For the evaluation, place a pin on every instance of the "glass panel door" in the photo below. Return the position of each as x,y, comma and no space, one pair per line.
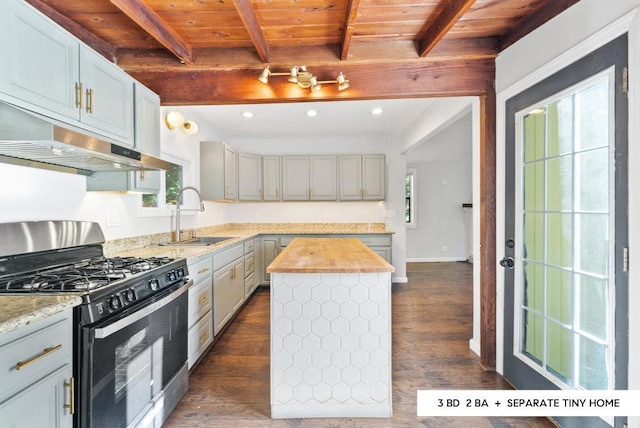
565,323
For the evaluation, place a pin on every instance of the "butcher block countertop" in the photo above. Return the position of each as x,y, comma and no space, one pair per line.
328,255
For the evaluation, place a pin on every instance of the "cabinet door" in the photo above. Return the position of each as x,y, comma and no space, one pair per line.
230,174
222,297
237,285
40,64
373,177
350,178
249,177
269,250
41,404
147,120
295,178
108,97
271,178
323,176
147,136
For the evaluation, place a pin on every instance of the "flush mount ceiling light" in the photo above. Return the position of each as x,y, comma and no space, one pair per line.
304,78
175,119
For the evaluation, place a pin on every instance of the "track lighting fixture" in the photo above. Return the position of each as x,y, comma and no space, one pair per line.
304,78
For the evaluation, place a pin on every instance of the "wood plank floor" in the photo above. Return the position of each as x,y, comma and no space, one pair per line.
432,324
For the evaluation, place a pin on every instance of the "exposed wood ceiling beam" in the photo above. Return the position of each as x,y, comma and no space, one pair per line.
531,22
104,48
149,20
442,24
312,56
347,31
189,86
250,21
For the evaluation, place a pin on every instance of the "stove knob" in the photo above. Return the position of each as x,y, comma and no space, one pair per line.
130,295
171,276
154,284
114,303
180,272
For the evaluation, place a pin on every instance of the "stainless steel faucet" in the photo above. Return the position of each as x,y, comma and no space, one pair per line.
178,210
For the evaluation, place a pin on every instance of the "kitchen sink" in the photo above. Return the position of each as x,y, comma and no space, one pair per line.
202,241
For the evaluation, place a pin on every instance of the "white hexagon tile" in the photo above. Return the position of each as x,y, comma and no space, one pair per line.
331,345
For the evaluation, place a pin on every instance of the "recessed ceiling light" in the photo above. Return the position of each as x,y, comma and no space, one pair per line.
247,114
376,111
312,113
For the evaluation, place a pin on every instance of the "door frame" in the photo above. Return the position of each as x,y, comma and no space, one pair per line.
594,33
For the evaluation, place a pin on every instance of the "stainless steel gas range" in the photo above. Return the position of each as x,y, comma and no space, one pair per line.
130,356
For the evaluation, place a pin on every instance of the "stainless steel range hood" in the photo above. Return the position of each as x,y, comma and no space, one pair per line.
31,140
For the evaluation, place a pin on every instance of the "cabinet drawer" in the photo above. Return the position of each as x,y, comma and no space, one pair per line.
248,246
200,269
377,240
225,257
200,337
249,264
200,300
249,284
31,352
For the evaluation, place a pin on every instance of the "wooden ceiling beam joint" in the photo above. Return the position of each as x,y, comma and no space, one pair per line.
250,20
442,24
349,22
149,20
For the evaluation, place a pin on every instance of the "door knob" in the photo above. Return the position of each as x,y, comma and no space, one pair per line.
507,262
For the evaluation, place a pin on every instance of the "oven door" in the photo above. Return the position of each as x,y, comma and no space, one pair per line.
128,360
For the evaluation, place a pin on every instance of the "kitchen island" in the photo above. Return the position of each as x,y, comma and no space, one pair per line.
330,330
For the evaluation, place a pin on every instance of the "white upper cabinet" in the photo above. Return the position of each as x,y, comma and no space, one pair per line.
249,177
362,177
295,178
323,177
47,70
39,62
309,178
218,171
108,95
147,120
270,178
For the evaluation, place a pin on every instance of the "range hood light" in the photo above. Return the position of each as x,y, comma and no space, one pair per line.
56,151
117,165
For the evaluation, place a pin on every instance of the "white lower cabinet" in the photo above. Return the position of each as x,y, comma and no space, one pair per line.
228,285
37,374
200,309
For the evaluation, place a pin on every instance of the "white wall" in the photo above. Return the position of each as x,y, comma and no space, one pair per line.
583,28
443,163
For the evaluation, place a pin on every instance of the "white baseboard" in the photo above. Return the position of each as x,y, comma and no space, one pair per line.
399,279
474,345
436,259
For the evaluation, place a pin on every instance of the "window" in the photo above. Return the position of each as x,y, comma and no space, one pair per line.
410,198
172,183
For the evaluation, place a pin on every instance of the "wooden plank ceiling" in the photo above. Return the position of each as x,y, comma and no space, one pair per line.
197,52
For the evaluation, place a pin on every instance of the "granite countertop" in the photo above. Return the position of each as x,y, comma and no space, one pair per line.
328,255
238,233
18,311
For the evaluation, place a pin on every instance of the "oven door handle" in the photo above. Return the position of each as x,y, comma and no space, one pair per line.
108,330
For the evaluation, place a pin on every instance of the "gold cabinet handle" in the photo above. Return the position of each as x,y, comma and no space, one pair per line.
202,270
203,299
204,337
71,406
22,364
89,107
79,94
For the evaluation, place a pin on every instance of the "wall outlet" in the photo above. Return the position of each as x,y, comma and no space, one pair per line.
444,182
445,249
258,214
113,218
